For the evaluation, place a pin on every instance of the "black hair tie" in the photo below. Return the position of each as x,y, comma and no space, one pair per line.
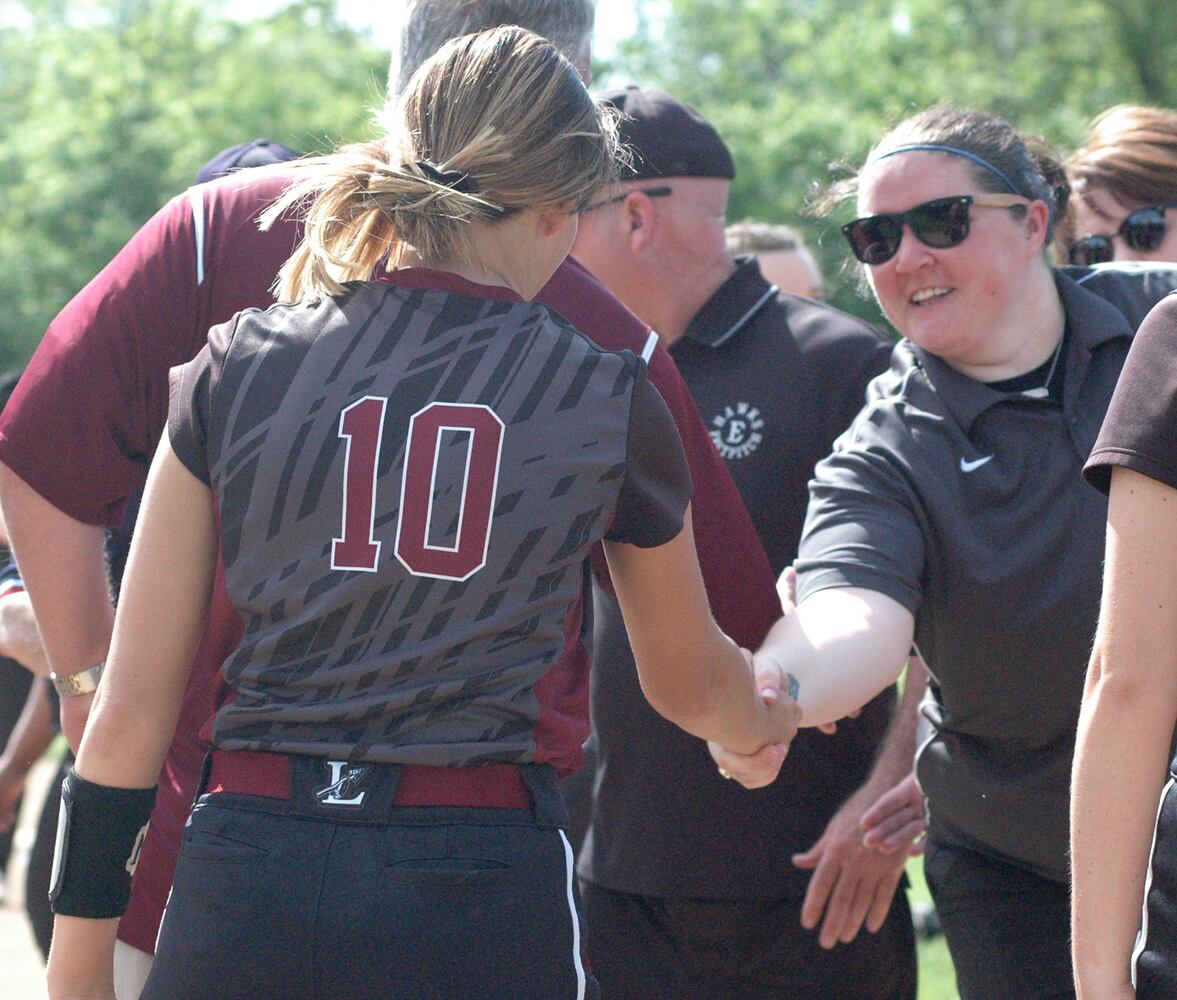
456,180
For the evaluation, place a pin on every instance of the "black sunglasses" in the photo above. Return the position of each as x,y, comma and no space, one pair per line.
1143,229
655,192
941,223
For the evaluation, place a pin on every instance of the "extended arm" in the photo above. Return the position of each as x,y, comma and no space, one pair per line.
841,647
1125,729
691,672
64,570
160,619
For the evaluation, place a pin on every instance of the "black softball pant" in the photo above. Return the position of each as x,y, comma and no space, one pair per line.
1008,929
454,903
1154,967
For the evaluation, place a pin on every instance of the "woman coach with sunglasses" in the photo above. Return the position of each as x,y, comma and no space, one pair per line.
953,513
1125,188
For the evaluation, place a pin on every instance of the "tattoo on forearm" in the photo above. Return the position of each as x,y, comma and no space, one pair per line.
794,686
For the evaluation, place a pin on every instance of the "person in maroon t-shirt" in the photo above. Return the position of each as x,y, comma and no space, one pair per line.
403,471
75,441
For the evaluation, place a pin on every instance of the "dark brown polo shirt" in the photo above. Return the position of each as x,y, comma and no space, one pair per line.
966,505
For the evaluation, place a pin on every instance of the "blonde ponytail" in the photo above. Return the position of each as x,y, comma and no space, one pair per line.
493,123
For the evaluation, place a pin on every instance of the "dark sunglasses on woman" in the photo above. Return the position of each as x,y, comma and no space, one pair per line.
941,223
1143,230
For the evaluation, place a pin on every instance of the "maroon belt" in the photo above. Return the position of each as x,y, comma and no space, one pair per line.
491,785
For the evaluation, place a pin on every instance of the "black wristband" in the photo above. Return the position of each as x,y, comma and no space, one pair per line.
99,833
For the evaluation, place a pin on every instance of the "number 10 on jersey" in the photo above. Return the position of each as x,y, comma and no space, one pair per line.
361,425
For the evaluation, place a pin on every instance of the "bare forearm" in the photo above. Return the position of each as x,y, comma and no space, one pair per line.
717,700
897,752
842,647
690,672
81,959
63,566
124,746
1120,767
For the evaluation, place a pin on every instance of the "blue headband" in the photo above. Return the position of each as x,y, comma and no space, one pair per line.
914,147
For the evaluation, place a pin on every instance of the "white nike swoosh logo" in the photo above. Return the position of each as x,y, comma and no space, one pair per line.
976,463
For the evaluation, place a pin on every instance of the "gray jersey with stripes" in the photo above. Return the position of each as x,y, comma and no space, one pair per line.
408,481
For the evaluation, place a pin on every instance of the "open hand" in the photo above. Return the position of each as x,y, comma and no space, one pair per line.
852,884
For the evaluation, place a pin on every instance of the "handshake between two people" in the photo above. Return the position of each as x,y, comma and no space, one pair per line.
830,655
885,818
760,768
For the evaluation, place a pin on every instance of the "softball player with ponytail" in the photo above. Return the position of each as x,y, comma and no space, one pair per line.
407,465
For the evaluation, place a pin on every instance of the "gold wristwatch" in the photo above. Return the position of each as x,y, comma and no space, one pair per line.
83,682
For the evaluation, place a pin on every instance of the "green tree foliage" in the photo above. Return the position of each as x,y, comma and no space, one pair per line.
108,108
795,85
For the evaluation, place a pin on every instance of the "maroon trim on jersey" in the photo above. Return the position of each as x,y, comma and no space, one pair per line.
430,280
496,786
563,696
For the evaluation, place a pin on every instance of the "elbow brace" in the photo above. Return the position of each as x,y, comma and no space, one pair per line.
99,833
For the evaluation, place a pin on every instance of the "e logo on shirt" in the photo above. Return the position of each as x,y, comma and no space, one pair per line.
736,432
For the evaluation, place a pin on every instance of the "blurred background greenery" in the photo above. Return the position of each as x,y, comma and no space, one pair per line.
107,107
937,981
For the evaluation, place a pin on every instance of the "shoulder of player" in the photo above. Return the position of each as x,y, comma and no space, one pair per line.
623,357
284,326
1132,287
